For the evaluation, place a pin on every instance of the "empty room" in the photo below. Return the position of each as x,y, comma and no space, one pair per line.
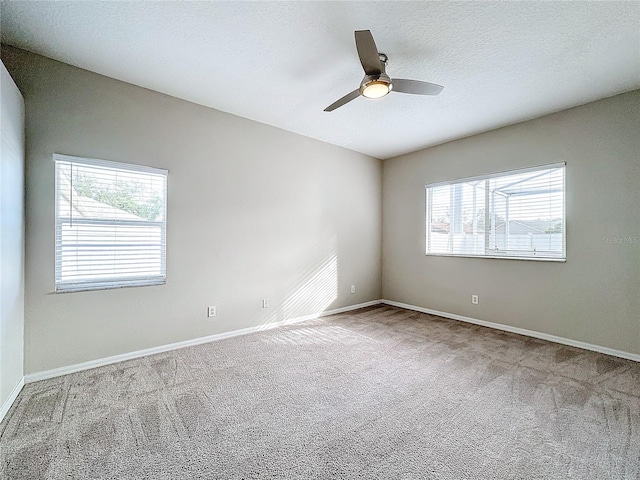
320,240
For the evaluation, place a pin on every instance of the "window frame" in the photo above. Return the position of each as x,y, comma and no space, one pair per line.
504,255
62,286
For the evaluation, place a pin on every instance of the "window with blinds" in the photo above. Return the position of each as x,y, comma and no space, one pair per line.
517,214
110,224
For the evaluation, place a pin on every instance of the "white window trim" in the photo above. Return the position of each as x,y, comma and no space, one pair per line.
560,259
62,286
109,164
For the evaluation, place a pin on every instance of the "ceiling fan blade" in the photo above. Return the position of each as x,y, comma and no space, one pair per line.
415,87
346,99
368,52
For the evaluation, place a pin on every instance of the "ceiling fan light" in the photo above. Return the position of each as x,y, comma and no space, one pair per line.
376,89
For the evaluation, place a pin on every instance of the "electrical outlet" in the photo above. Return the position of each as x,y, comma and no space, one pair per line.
265,303
353,289
474,299
211,311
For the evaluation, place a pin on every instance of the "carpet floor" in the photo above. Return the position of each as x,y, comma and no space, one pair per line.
377,393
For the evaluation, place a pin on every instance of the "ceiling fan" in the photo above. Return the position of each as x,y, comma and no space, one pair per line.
376,83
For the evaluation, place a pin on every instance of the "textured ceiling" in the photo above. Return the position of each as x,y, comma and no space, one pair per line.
283,63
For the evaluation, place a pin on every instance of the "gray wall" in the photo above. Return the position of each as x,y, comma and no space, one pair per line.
11,236
595,296
254,212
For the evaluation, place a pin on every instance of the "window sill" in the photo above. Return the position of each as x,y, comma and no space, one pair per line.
91,288
499,257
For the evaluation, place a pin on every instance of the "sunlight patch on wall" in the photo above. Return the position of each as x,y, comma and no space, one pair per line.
313,286
317,293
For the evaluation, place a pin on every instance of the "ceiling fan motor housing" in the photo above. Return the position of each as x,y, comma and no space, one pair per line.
381,79
370,81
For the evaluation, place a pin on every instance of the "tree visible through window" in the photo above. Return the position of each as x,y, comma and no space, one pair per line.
517,214
110,224
131,196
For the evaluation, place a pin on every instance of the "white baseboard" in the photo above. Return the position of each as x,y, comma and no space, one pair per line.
520,331
78,367
11,398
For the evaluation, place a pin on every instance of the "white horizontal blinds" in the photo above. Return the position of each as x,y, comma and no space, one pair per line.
527,213
110,224
457,222
512,214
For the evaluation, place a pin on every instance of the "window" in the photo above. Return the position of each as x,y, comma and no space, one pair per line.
110,224
518,214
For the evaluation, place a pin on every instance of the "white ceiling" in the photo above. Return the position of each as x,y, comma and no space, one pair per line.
283,63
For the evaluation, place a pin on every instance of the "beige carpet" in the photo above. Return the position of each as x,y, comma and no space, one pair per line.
377,393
